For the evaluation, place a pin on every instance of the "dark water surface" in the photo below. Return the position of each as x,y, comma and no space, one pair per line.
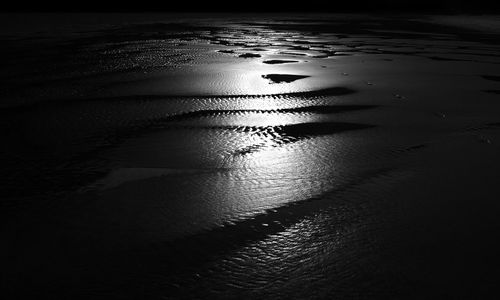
277,156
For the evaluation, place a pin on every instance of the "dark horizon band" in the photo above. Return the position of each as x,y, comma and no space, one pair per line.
424,6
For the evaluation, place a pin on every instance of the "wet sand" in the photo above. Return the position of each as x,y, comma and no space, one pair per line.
200,157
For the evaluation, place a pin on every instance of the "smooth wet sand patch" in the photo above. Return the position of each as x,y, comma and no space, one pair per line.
298,48
277,136
279,61
283,78
441,58
293,53
249,55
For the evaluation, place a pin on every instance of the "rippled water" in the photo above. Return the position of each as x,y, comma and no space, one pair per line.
152,160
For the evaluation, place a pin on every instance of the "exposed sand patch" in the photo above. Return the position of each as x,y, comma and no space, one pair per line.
249,55
283,78
279,61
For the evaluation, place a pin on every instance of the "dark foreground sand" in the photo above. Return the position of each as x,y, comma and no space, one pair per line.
284,157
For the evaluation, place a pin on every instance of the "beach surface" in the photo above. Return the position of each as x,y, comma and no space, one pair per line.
276,156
